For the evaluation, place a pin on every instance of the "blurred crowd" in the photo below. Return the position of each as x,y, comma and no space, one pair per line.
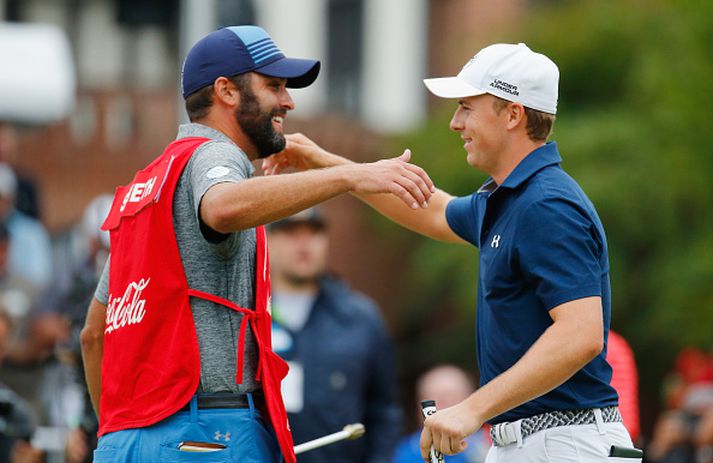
684,431
45,413
46,285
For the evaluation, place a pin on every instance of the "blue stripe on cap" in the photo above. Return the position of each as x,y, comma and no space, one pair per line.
259,43
262,47
249,34
266,54
267,57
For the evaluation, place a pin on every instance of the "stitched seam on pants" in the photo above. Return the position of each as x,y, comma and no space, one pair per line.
137,448
574,442
544,447
255,426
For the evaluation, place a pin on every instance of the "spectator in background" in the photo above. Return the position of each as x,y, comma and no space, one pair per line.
625,379
64,391
16,425
703,437
74,291
447,385
693,372
26,197
684,432
671,440
340,356
17,294
33,336
30,252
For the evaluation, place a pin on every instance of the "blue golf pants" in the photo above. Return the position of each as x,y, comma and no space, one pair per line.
246,436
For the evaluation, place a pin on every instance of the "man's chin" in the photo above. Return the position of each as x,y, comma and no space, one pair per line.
471,159
267,150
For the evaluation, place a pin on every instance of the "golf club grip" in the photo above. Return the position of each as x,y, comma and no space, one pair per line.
428,408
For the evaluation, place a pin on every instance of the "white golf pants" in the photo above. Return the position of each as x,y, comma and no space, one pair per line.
577,443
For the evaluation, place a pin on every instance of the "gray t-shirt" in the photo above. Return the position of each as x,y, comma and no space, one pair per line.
223,265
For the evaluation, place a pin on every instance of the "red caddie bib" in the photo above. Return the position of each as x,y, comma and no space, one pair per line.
151,360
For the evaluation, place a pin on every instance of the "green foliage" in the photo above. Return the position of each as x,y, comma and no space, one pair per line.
636,96
635,134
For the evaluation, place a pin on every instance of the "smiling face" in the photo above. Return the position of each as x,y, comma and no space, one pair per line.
483,129
264,103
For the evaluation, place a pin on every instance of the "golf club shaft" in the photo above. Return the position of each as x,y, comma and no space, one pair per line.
352,431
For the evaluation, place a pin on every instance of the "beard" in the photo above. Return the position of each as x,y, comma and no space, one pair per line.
257,124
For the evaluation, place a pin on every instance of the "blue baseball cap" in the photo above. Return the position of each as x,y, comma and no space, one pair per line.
235,50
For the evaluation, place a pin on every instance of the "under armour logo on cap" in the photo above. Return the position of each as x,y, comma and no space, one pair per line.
511,72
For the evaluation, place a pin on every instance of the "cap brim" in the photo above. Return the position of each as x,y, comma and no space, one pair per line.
299,73
451,87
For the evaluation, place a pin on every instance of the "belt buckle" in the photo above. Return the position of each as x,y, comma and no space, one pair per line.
504,434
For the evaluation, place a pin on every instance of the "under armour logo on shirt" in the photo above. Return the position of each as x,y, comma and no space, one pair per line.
219,436
496,242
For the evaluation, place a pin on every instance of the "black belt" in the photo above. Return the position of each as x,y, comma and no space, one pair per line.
222,400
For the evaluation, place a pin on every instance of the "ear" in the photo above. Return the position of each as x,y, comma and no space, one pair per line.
516,115
225,92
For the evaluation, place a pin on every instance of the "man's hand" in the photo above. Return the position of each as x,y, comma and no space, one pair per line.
397,176
447,429
300,153
384,185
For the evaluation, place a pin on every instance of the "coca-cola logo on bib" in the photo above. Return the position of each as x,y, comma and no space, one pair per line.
127,309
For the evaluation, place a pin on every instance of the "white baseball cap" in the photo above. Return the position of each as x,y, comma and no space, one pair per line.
512,72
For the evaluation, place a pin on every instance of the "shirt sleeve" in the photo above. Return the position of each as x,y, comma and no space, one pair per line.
215,162
102,292
560,252
462,217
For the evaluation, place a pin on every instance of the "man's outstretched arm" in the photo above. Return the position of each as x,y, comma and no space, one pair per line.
228,207
302,153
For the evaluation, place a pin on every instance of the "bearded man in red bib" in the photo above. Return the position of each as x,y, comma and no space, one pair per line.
176,344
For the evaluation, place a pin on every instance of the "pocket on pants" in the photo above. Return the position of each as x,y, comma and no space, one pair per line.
560,445
171,455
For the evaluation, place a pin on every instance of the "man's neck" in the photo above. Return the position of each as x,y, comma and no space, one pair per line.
230,128
512,157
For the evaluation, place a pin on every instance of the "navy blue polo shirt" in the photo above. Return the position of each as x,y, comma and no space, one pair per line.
541,244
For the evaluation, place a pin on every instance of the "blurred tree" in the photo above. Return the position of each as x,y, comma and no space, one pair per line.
635,105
